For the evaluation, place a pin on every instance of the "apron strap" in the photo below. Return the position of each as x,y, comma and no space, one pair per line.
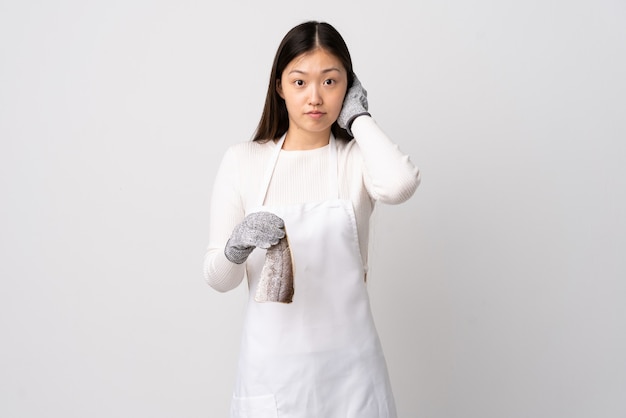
332,169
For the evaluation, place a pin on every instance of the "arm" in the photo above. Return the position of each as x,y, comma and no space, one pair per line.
232,237
226,211
389,175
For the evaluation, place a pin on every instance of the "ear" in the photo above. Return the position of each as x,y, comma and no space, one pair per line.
279,89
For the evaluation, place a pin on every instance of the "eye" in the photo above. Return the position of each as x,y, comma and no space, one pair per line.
299,83
329,82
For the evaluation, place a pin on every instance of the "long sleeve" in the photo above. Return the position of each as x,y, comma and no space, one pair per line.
389,176
226,211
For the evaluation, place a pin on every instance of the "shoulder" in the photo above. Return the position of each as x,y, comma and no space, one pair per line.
245,151
251,147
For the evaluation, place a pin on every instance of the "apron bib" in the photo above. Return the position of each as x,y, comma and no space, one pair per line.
319,356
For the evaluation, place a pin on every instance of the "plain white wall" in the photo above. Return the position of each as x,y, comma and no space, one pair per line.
499,289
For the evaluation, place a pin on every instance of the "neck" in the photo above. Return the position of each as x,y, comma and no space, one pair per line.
299,140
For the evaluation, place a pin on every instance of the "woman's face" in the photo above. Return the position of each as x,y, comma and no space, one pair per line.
313,86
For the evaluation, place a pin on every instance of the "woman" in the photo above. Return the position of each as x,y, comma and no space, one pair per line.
316,167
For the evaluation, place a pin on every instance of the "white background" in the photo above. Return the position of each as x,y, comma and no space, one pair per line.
499,289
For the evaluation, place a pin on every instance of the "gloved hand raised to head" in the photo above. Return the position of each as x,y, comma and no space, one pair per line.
354,105
258,229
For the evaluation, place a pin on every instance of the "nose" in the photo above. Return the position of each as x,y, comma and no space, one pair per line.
315,98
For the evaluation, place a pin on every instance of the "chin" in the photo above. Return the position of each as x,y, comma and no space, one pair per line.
314,128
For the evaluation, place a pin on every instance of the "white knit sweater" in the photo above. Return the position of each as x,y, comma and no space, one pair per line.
371,169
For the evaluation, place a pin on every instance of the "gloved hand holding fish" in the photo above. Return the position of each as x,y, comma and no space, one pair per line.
265,230
258,229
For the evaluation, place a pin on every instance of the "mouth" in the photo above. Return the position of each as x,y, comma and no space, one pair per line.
315,114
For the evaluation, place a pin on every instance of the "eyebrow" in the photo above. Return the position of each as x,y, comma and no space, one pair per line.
327,70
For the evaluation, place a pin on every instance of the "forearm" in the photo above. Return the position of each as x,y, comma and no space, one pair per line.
221,274
390,176
226,212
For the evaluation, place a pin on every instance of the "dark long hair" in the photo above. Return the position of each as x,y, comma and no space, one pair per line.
304,37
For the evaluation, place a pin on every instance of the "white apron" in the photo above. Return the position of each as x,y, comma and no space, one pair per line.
319,356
